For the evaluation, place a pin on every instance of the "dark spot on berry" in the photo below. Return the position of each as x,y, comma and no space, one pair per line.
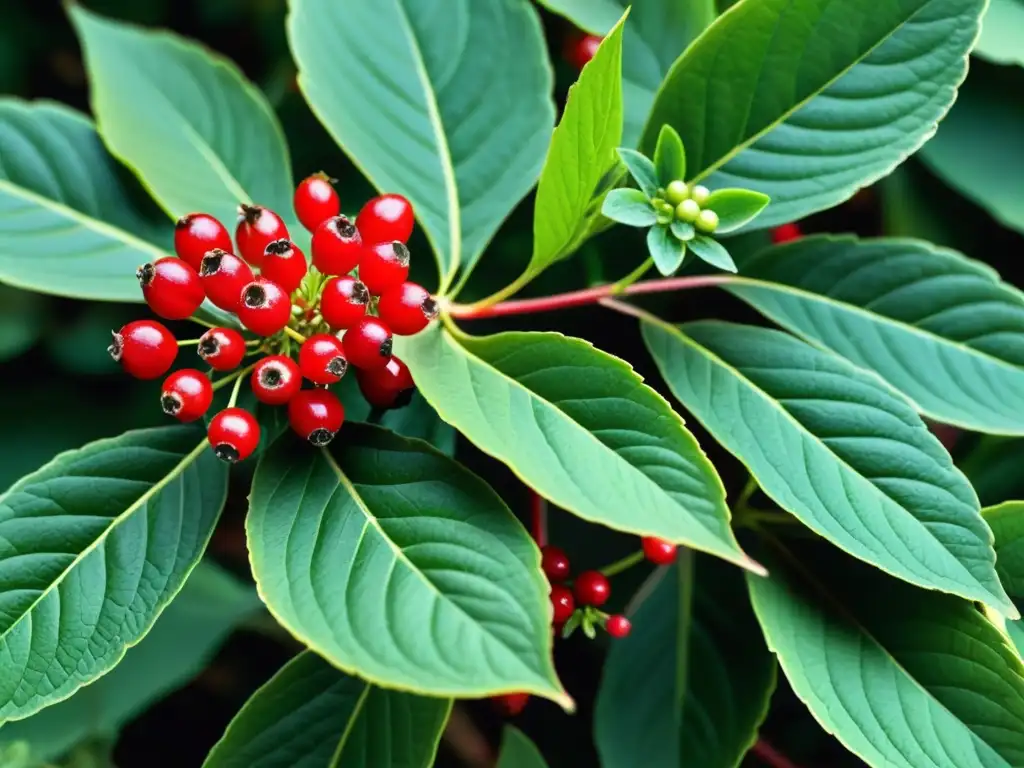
429,307
184,221
271,377
385,347
251,213
403,398
208,347
145,273
226,452
254,296
116,347
360,293
279,247
337,366
170,403
344,227
210,265
321,437
401,253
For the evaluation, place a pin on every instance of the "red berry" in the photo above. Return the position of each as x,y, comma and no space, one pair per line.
591,588
387,387
555,563
658,551
234,434
265,308
618,626
388,217
316,415
223,276
384,266
197,233
407,309
322,359
275,380
343,302
316,200
582,49
171,287
511,703
186,395
144,348
562,604
337,246
786,233
368,344
285,264
257,228
222,348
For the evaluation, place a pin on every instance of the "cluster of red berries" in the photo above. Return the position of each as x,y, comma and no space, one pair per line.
342,311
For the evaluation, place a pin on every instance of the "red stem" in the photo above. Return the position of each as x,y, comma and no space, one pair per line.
771,755
539,518
581,298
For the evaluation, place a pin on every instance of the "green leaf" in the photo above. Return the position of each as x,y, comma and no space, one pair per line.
93,546
630,207
735,207
579,427
180,644
1007,523
901,676
1001,29
834,446
311,715
517,751
669,156
684,230
421,103
393,562
62,202
690,684
197,133
711,251
667,251
641,169
808,117
940,328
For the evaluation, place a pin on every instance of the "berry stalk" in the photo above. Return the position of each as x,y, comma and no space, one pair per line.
624,564
771,756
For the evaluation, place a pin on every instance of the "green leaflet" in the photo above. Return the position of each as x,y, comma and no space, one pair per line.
1007,523
392,561
938,327
197,133
690,684
666,250
580,428
838,111
93,546
517,751
412,91
311,715
837,448
1001,31
61,201
903,677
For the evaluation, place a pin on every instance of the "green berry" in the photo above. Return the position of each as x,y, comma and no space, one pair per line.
688,211
700,194
707,221
677,192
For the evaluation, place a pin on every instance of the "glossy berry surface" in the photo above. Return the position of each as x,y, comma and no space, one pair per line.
171,288
257,228
786,233
511,704
555,563
315,201
223,276
618,626
343,302
368,344
385,218
407,309
581,50
144,348
222,348
233,434
591,588
387,387
322,359
337,246
562,604
186,395
384,266
197,233
658,551
316,415
275,380
284,264
265,308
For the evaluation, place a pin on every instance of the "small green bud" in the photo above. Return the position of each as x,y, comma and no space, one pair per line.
688,211
677,192
707,221
700,194
666,208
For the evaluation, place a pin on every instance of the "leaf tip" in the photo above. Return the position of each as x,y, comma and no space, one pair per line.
753,566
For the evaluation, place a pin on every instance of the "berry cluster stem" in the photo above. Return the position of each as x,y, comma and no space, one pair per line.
539,518
771,756
235,377
295,335
624,564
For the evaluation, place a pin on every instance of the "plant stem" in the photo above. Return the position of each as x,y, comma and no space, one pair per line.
620,285
587,296
295,334
187,342
238,387
204,323
539,518
236,377
624,564
771,756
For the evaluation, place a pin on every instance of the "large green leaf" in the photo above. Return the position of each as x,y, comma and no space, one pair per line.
180,644
580,428
657,32
517,751
198,134
310,715
395,563
1002,29
903,677
92,548
833,445
809,102
938,327
413,92
1007,523
690,684
67,225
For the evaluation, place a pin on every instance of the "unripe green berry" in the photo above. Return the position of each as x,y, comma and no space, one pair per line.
707,221
688,211
700,194
677,192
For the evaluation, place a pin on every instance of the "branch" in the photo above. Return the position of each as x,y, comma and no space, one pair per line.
771,756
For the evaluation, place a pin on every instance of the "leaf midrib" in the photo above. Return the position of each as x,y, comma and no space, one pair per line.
357,711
